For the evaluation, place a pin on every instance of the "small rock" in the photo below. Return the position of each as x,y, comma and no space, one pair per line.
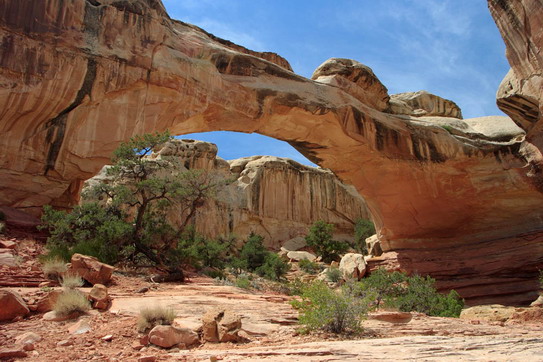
13,352
47,302
27,338
65,343
137,346
99,297
107,338
80,327
12,305
7,244
147,359
143,290
46,284
220,325
52,316
168,336
28,347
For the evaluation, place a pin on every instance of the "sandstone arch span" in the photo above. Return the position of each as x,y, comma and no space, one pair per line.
80,76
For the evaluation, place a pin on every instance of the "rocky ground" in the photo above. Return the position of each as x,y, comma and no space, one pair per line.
268,330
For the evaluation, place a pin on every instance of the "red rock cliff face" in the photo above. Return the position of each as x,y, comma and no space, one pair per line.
78,77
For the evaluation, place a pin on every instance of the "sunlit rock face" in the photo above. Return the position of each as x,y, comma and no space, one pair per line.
78,77
274,197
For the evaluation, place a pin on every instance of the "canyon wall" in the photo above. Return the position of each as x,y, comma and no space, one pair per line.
78,77
277,198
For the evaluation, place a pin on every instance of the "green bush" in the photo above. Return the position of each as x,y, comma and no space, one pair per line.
70,302
363,229
322,308
333,275
243,282
409,294
308,266
320,240
155,316
253,253
274,268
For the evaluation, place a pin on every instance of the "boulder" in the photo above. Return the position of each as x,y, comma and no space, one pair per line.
7,244
169,336
374,246
53,316
295,244
538,302
90,269
489,313
99,296
82,326
12,305
7,257
220,325
299,255
391,317
353,265
422,103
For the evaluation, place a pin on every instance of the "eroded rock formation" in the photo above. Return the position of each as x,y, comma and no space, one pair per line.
80,76
274,197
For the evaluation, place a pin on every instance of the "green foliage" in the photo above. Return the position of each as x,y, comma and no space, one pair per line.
71,281
322,308
70,302
155,316
333,275
254,257
447,128
243,282
126,215
308,266
274,268
363,229
90,229
320,240
54,268
409,294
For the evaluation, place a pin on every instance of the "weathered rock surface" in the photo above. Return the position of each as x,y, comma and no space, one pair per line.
79,77
90,269
12,305
422,103
301,255
99,296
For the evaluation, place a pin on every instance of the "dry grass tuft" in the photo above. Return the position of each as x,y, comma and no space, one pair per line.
54,268
71,301
151,317
71,281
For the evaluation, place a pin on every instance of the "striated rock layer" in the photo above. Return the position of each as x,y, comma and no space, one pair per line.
274,197
78,77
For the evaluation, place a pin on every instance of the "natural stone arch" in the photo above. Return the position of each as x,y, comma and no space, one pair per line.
82,76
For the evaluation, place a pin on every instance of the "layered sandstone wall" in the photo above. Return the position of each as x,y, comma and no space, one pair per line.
80,76
274,197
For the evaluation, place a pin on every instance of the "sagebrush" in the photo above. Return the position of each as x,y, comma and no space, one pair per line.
54,268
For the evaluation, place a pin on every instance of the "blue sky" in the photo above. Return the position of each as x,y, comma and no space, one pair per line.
451,48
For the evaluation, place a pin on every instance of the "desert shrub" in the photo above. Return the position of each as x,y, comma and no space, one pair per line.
70,302
295,287
71,281
253,253
151,317
243,282
323,308
215,273
125,216
320,239
274,268
333,275
415,293
223,281
54,268
308,266
363,229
